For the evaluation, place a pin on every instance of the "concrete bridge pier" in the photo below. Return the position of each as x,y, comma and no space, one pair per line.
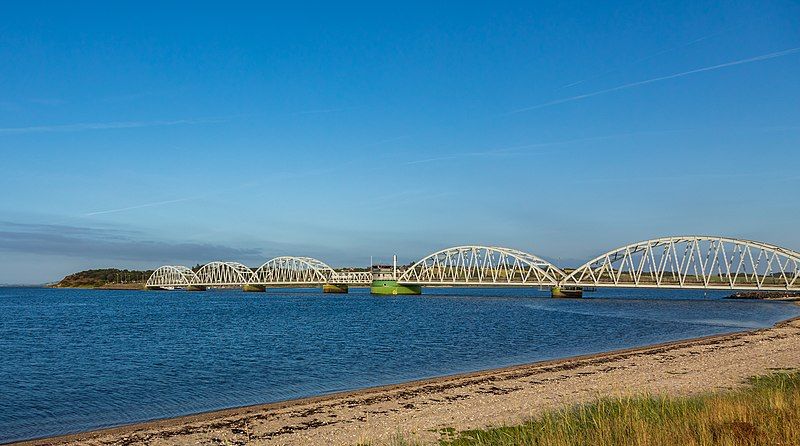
335,288
566,291
250,288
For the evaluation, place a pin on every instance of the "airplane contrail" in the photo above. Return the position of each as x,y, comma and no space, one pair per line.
660,78
140,206
642,59
105,125
512,150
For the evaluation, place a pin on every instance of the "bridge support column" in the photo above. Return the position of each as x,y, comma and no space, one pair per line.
195,288
335,288
250,288
566,291
392,288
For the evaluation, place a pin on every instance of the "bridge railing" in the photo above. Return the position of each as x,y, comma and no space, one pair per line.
351,277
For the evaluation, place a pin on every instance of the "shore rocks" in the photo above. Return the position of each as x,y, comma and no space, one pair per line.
766,295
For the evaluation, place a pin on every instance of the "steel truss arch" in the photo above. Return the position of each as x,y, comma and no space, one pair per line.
482,265
693,261
351,278
289,270
171,276
222,274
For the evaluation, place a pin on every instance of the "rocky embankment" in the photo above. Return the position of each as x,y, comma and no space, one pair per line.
767,295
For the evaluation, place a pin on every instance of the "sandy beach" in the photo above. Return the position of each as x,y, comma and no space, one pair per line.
421,409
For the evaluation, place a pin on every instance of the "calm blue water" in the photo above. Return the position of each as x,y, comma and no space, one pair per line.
74,360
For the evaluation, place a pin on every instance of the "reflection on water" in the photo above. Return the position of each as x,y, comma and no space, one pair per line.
73,360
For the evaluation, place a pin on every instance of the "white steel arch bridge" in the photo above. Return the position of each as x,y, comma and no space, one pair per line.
279,271
171,276
693,262
481,265
689,262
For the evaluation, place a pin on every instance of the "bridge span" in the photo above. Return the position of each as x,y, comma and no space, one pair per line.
284,271
680,262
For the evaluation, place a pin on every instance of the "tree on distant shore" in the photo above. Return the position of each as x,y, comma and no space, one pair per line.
104,276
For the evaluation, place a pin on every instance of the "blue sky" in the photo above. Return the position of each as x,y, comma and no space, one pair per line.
147,134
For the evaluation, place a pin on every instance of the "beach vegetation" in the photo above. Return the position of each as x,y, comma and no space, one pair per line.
766,412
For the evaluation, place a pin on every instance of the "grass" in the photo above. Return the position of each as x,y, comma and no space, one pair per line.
765,413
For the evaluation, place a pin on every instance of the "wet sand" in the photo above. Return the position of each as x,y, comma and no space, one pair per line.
502,396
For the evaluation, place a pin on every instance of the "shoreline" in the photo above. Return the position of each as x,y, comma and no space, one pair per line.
299,422
100,288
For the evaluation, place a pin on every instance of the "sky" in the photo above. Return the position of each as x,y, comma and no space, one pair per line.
146,133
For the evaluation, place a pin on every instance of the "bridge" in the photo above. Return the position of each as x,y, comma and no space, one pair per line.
281,271
680,262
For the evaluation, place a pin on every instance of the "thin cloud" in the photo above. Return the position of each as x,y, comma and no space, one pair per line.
462,155
689,176
486,154
144,94
322,111
385,141
658,79
217,192
458,156
520,149
391,201
337,167
105,243
127,97
106,126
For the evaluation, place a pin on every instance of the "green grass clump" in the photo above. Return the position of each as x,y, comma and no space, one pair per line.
765,413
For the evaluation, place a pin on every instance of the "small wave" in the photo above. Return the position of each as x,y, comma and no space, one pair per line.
726,323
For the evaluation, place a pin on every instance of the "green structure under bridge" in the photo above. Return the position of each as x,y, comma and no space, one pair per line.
689,262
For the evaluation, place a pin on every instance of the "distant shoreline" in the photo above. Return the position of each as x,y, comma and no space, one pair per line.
475,399
105,279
